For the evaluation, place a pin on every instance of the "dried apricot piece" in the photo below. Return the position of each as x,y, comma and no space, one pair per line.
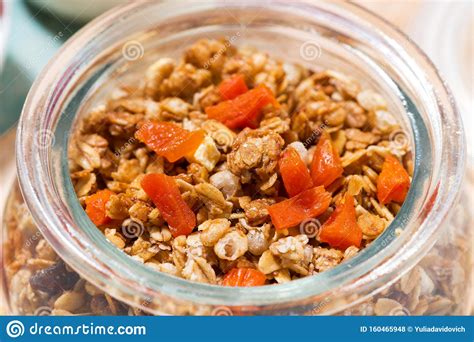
307,204
164,193
96,207
393,182
341,229
244,277
232,87
326,166
169,140
294,172
244,110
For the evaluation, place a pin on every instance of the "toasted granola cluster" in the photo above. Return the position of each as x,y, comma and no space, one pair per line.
233,177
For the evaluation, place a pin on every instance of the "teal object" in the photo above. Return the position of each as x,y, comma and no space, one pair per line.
34,35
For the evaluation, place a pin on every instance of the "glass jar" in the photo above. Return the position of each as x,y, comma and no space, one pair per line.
421,264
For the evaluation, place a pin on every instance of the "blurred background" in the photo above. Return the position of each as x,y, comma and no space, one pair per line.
32,30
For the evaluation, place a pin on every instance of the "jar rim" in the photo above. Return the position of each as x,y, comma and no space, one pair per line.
35,178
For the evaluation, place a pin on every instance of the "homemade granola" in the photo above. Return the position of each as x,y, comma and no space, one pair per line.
231,167
38,282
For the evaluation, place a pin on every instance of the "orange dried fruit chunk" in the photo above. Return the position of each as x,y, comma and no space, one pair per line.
341,229
232,87
165,194
244,277
393,182
96,207
169,140
294,172
244,110
307,204
326,166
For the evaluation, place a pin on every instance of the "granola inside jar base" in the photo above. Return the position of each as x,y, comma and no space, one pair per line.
37,282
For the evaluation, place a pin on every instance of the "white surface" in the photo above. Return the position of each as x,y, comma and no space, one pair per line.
449,44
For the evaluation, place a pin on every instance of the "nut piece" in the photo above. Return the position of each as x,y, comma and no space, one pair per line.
290,248
206,154
156,73
389,307
198,269
371,100
232,246
324,258
226,182
268,263
213,200
213,230
294,253
173,108
258,239
371,225
70,301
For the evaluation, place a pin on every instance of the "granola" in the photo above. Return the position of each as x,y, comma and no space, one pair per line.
230,183
234,175
40,283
